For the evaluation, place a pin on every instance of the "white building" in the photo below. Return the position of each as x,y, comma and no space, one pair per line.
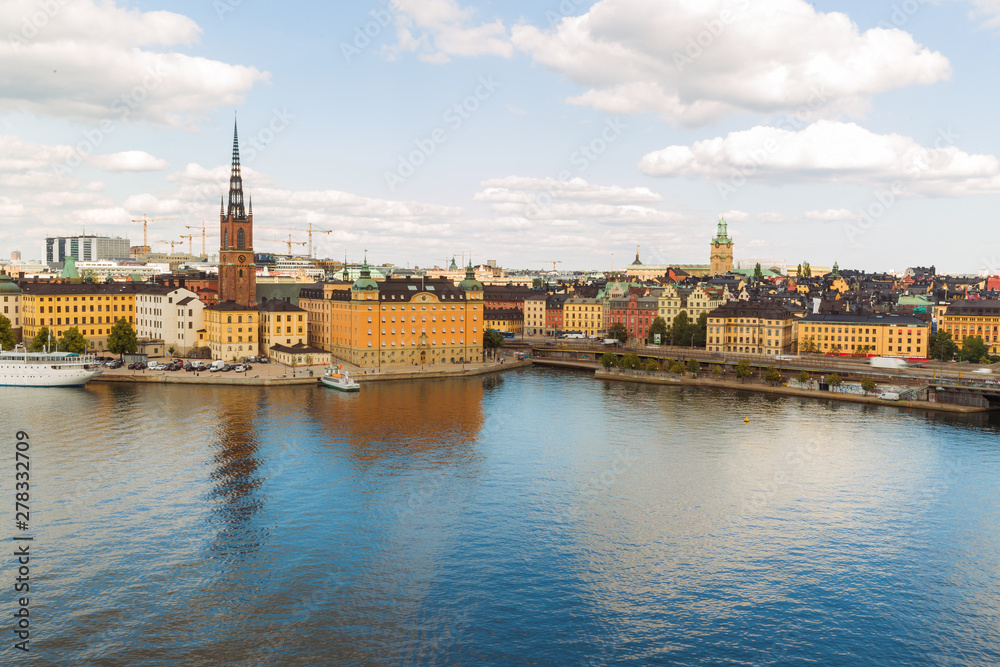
120,272
171,314
84,248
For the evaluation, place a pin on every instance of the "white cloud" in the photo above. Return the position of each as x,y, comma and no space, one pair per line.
697,62
128,161
989,9
771,216
92,61
436,30
517,111
831,215
735,216
522,189
831,152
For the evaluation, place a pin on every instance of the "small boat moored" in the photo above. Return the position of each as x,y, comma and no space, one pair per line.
337,378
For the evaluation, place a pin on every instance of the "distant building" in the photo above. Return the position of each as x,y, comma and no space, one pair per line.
762,328
84,248
721,256
15,255
92,308
168,313
868,335
10,299
534,315
973,317
584,315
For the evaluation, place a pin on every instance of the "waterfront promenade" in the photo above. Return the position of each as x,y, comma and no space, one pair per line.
272,375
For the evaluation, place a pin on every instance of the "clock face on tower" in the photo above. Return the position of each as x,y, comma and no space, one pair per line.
242,258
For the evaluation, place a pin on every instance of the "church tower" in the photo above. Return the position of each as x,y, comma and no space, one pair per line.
721,258
237,271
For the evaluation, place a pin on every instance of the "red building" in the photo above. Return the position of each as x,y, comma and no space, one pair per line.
554,312
635,312
502,297
237,271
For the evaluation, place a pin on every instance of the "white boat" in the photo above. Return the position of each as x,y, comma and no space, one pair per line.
20,368
339,379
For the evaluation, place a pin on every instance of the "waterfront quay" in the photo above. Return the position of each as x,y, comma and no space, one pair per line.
928,386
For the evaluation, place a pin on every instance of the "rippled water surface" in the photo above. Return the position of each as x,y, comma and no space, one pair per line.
541,517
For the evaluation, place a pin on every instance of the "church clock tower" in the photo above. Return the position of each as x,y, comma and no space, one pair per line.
721,258
237,271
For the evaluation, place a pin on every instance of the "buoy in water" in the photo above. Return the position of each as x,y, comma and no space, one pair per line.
746,420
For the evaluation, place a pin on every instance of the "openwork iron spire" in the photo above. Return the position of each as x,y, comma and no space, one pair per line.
236,208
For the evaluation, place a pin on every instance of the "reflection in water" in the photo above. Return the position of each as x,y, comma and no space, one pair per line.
235,496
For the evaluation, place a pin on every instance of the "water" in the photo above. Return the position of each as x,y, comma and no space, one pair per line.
541,517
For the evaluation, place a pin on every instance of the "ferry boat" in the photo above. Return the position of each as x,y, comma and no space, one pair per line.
20,368
339,379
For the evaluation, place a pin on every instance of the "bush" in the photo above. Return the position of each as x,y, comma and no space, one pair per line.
608,360
652,366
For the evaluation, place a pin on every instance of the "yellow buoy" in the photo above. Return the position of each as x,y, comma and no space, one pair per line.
746,420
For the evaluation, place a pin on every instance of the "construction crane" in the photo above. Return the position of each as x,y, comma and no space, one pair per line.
311,230
290,243
553,262
145,242
172,244
190,238
202,228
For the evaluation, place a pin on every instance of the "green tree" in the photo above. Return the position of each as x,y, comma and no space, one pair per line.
73,341
7,340
122,339
659,326
836,349
677,367
618,332
652,366
757,273
772,375
701,331
492,340
807,270
973,349
679,331
608,360
803,377
743,370
630,362
717,372
40,340
941,346
798,272
693,367
868,385
834,380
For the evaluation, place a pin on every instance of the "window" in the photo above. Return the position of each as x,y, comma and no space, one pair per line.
240,242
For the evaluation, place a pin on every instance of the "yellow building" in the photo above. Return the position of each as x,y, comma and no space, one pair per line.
402,321
583,315
315,300
973,317
534,315
509,320
704,299
10,295
281,323
870,335
751,328
92,308
231,330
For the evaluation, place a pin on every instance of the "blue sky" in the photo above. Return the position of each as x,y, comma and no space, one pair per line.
854,132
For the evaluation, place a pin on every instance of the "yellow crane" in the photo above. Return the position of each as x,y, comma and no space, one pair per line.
172,244
190,238
553,262
202,228
290,243
310,231
145,221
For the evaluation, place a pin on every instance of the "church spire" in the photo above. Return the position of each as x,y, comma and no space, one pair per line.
236,209
249,204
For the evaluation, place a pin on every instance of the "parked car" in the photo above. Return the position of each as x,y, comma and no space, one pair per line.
117,363
227,368
240,368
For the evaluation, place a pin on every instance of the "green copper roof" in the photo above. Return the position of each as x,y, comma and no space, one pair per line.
365,281
470,284
69,268
722,232
7,285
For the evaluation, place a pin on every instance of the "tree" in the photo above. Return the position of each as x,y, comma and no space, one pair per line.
679,330
73,341
836,349
743,370
941,346
693,367
40,340
701,331
807,270
652,366
630,362
122,339
7,340
757,273
973,349
834,380
868,385
803,377
492,340
659,326
798,271
772,375
717,372
618,331
171,350
808,345
677,367
609,360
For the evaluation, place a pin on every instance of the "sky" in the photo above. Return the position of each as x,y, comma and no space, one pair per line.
569,131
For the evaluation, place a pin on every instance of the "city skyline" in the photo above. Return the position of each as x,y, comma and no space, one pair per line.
422,129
